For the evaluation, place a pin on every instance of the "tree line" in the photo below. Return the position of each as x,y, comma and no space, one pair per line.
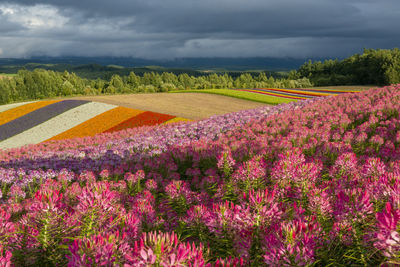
40,84
377,67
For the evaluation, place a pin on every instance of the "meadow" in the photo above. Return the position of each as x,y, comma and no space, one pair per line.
313,182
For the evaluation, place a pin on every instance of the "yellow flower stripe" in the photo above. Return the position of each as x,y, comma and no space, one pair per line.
301,92
20,111
99,123
177,119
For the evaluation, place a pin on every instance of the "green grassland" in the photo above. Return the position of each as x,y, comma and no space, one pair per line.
266,99
7,75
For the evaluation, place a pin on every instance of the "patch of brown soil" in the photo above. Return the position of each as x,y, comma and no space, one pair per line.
186,105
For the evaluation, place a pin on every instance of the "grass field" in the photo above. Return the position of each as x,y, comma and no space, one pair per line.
241,95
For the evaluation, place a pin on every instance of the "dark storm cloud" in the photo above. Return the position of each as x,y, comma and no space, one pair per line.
175,28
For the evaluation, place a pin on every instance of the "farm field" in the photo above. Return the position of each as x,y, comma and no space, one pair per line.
245,95
190,105
276,95
310,182
39,121
345,87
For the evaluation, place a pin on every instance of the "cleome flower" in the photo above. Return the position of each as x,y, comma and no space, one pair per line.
387,235
164,249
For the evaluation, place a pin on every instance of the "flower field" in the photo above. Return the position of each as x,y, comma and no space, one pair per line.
272,95
36,122
312,182
295,94
241,94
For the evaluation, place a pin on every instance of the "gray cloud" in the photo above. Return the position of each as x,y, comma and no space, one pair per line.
190,28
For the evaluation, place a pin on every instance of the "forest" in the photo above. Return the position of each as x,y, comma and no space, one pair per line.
373,67
40,84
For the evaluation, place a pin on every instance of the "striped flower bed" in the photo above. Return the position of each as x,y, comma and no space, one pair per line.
36,122
295,93
145,118
18,111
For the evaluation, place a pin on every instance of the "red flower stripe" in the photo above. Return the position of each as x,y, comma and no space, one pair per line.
99,123
271,94
146,118
298,92
333,91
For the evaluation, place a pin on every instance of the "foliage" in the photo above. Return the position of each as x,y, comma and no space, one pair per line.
372,67
40,83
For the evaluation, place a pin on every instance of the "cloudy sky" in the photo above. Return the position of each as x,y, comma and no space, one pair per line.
197,28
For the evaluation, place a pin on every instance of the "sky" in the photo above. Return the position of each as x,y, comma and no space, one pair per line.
166,29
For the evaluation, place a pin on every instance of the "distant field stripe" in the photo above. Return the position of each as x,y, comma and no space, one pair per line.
298,92
36,117
99,124
58,124
177,119
338,91
10,106
145,118
22,110
272,94
283,93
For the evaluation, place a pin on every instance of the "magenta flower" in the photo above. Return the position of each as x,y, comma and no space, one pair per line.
292,244
373,167
151,184
105,173
387,235
164,249
229,262
5,257
225,162
98,250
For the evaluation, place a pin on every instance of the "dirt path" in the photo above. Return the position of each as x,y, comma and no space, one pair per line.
186,105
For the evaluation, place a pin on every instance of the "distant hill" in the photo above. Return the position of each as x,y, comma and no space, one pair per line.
105,67
260,63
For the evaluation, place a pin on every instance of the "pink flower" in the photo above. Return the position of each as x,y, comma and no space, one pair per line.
164,249
291,244
225,162
87,176
5,257
373,167
98,250
250,173
387,236
105,173
151,184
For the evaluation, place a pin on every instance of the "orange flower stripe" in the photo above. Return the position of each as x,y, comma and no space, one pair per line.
177,119
99,123
300,92
20,111
145,118
294,91
333,91
272,94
